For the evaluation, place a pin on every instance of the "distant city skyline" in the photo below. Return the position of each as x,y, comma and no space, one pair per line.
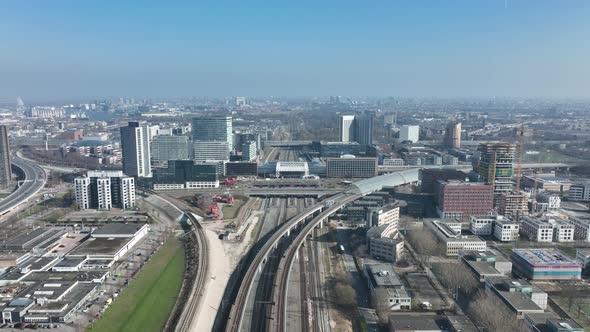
71,49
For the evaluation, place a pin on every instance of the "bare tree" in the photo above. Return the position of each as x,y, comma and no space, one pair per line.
490,313
455,276
425,244
381,303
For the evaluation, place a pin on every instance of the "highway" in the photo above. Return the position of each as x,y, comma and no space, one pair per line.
35,179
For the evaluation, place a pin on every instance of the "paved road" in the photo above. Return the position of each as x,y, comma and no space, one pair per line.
35,179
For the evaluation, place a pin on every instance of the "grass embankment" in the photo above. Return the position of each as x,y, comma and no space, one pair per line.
146,303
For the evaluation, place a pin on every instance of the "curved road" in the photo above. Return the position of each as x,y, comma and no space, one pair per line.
35,179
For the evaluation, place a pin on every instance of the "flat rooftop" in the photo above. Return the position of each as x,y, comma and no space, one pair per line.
544,257
70,262
519,301
118,229
99,246
483,268
408,322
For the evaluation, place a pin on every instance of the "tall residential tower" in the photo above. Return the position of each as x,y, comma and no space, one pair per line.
135,145
345,128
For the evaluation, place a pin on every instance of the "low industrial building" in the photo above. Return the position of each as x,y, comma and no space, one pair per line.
386,288
422,322
485,264
452,239
545,264
550,322
547,182
111,241
521,297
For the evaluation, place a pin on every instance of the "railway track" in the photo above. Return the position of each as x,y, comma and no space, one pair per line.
191,307
194,301
280,291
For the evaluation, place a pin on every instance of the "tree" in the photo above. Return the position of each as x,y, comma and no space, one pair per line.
425,244
381,303
456,275
489,312
344,295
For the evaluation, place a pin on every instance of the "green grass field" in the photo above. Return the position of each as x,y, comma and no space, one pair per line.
146,303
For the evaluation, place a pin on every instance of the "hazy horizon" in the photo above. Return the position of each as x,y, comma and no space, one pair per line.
459,49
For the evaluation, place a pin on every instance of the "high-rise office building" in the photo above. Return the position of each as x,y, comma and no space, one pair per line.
453,135
135,146
459,199
346,128
495,166
210,151
213,128
363,128
5,166
249,151
409,133
104,190
165,148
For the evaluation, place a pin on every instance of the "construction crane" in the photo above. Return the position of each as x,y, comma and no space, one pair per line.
520,157
535,184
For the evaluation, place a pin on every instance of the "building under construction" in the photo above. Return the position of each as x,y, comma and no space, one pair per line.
495,166
513,204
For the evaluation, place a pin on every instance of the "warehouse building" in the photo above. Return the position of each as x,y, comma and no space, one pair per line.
485,264
521,297
545,264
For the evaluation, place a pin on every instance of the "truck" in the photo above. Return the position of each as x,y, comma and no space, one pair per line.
341,249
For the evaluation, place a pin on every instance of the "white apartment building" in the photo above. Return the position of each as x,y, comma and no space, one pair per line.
481,225
581,228
562,231
536,229
506,230
104,190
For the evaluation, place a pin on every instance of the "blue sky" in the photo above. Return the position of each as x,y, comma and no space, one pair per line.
60,49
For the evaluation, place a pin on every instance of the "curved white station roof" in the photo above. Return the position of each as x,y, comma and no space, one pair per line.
370,185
